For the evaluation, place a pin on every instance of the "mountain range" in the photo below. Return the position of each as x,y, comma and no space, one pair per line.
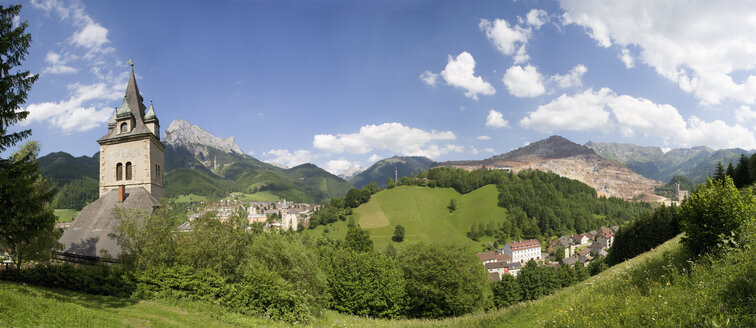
694,163
200,163
568,159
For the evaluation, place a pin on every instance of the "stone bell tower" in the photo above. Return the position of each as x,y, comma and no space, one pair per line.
131,153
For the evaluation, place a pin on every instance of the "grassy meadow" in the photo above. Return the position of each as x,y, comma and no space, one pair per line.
424,215
65,215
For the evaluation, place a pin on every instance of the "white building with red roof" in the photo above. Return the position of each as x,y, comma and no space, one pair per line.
523,251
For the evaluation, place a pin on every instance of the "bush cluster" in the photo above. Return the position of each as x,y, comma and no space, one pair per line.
98,279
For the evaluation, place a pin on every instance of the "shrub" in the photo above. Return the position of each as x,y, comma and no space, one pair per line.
294,260
98,279
443,280
714,215
363,283
261,292
506,292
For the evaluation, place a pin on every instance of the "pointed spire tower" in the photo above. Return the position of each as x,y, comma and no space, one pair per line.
131,176
132,146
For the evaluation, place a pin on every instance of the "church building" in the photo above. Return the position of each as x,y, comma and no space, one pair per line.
131,175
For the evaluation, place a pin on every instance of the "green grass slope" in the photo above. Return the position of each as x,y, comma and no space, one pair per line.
424,215
650,290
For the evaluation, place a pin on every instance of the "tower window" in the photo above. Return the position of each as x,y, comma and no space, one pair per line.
119,172
124,127
128,171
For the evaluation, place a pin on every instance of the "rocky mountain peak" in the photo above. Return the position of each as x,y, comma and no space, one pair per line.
550,148
183,133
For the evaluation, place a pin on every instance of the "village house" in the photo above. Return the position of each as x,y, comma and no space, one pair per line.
498,267
523,251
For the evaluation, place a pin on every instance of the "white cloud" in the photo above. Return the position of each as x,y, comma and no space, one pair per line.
524,82
484,137
474,150
489,150
429,78
460,73
744,114
288,158
74,114
602,110
57,64
92,36
537,17
392,137
374,158
342,166
496,120
627,58
88,105
573,113
509,40
698,45
572,79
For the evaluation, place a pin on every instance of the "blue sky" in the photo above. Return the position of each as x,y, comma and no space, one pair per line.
343,83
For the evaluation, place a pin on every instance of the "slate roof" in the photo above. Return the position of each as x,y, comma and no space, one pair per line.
90,231
496,265
524,244
133,102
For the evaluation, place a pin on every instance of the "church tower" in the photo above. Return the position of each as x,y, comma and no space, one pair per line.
131,176
131,153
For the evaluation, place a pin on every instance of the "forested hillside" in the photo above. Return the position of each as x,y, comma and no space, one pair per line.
490,206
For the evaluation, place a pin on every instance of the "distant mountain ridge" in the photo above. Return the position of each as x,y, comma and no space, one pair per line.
200,163
695,163
568,159
384,169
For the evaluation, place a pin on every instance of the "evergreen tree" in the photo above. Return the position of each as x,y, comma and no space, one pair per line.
14,85
730,172
742,176
25,213
719,174
398,234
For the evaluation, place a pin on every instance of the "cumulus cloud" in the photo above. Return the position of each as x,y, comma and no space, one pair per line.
524,82
496,120
528,82
374,158
474,150
74,114
573,113
508,39
627,58
603,109
57,64
429,78
572,79
392,137
484,138
87,104
698,45
489,150
536,18
460,73
343,167
287,158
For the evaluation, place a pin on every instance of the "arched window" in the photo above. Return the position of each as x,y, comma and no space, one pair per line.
124,127
119,172
128,171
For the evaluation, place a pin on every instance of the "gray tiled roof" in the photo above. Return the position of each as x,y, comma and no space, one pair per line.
134,101
90,231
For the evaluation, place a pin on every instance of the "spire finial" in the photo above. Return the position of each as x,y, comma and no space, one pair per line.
130,62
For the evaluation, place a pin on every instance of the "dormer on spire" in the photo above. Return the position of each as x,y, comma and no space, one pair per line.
151,121
124,111
112,122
